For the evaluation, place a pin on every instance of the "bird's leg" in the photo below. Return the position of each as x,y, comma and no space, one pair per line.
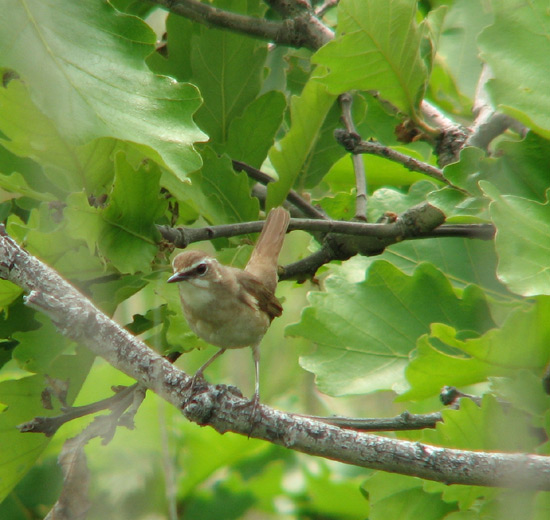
199,372
256,414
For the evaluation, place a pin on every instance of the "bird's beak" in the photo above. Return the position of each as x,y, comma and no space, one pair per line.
177,277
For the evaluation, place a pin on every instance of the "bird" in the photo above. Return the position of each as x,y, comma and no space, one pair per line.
230,307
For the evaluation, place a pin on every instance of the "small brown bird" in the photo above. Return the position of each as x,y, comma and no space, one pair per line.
229,307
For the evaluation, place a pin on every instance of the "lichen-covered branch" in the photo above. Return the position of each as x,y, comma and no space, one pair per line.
224,409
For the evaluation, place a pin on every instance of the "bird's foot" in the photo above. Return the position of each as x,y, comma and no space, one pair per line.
255,413
196,381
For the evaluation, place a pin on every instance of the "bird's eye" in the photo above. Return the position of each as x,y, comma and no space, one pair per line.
201,269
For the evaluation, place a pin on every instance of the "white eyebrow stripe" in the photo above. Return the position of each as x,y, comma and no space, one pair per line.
193,266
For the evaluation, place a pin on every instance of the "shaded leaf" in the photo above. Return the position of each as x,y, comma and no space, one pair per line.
251,135
307,113
227,67
219,193
124,231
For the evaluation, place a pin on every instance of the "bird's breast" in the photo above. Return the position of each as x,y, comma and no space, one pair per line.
222,319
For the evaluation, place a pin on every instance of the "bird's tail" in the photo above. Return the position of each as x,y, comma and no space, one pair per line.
264,259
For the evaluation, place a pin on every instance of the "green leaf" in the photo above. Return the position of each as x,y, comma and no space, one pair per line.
465,172
9,292
522,242
464,261
45,234
130,238
377,47
406,504
219,193
23,400
326,150
365,331
107,295
124,231
22,397
516,48
444,358
521,168
524,391
458,42
32,134
489,427
251,135
227,67
177,59
109,92
39,348
16,183
308,113
432,368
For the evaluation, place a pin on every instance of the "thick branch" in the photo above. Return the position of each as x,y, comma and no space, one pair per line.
184,236
302,31
223,409
341,240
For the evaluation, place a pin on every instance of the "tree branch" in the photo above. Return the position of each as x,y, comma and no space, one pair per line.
488,123
184,236
340,239
403,422
358,164
293,197
322,9
302,31
225,410
354,144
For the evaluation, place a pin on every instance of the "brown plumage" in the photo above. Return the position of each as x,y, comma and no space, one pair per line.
229,307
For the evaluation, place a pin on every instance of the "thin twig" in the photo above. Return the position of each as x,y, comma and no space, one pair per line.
322,9
354,144
303,205
346,101
342,240
49,425
437,117
403,422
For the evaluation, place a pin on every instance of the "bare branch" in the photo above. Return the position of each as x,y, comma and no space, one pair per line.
302,31
342,240
354,144
183,236
403,422
322,9
488,123
50,425
293,197
346,101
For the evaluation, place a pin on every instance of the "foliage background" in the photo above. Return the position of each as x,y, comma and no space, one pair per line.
102,138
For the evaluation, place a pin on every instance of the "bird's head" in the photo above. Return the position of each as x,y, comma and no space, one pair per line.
196,267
